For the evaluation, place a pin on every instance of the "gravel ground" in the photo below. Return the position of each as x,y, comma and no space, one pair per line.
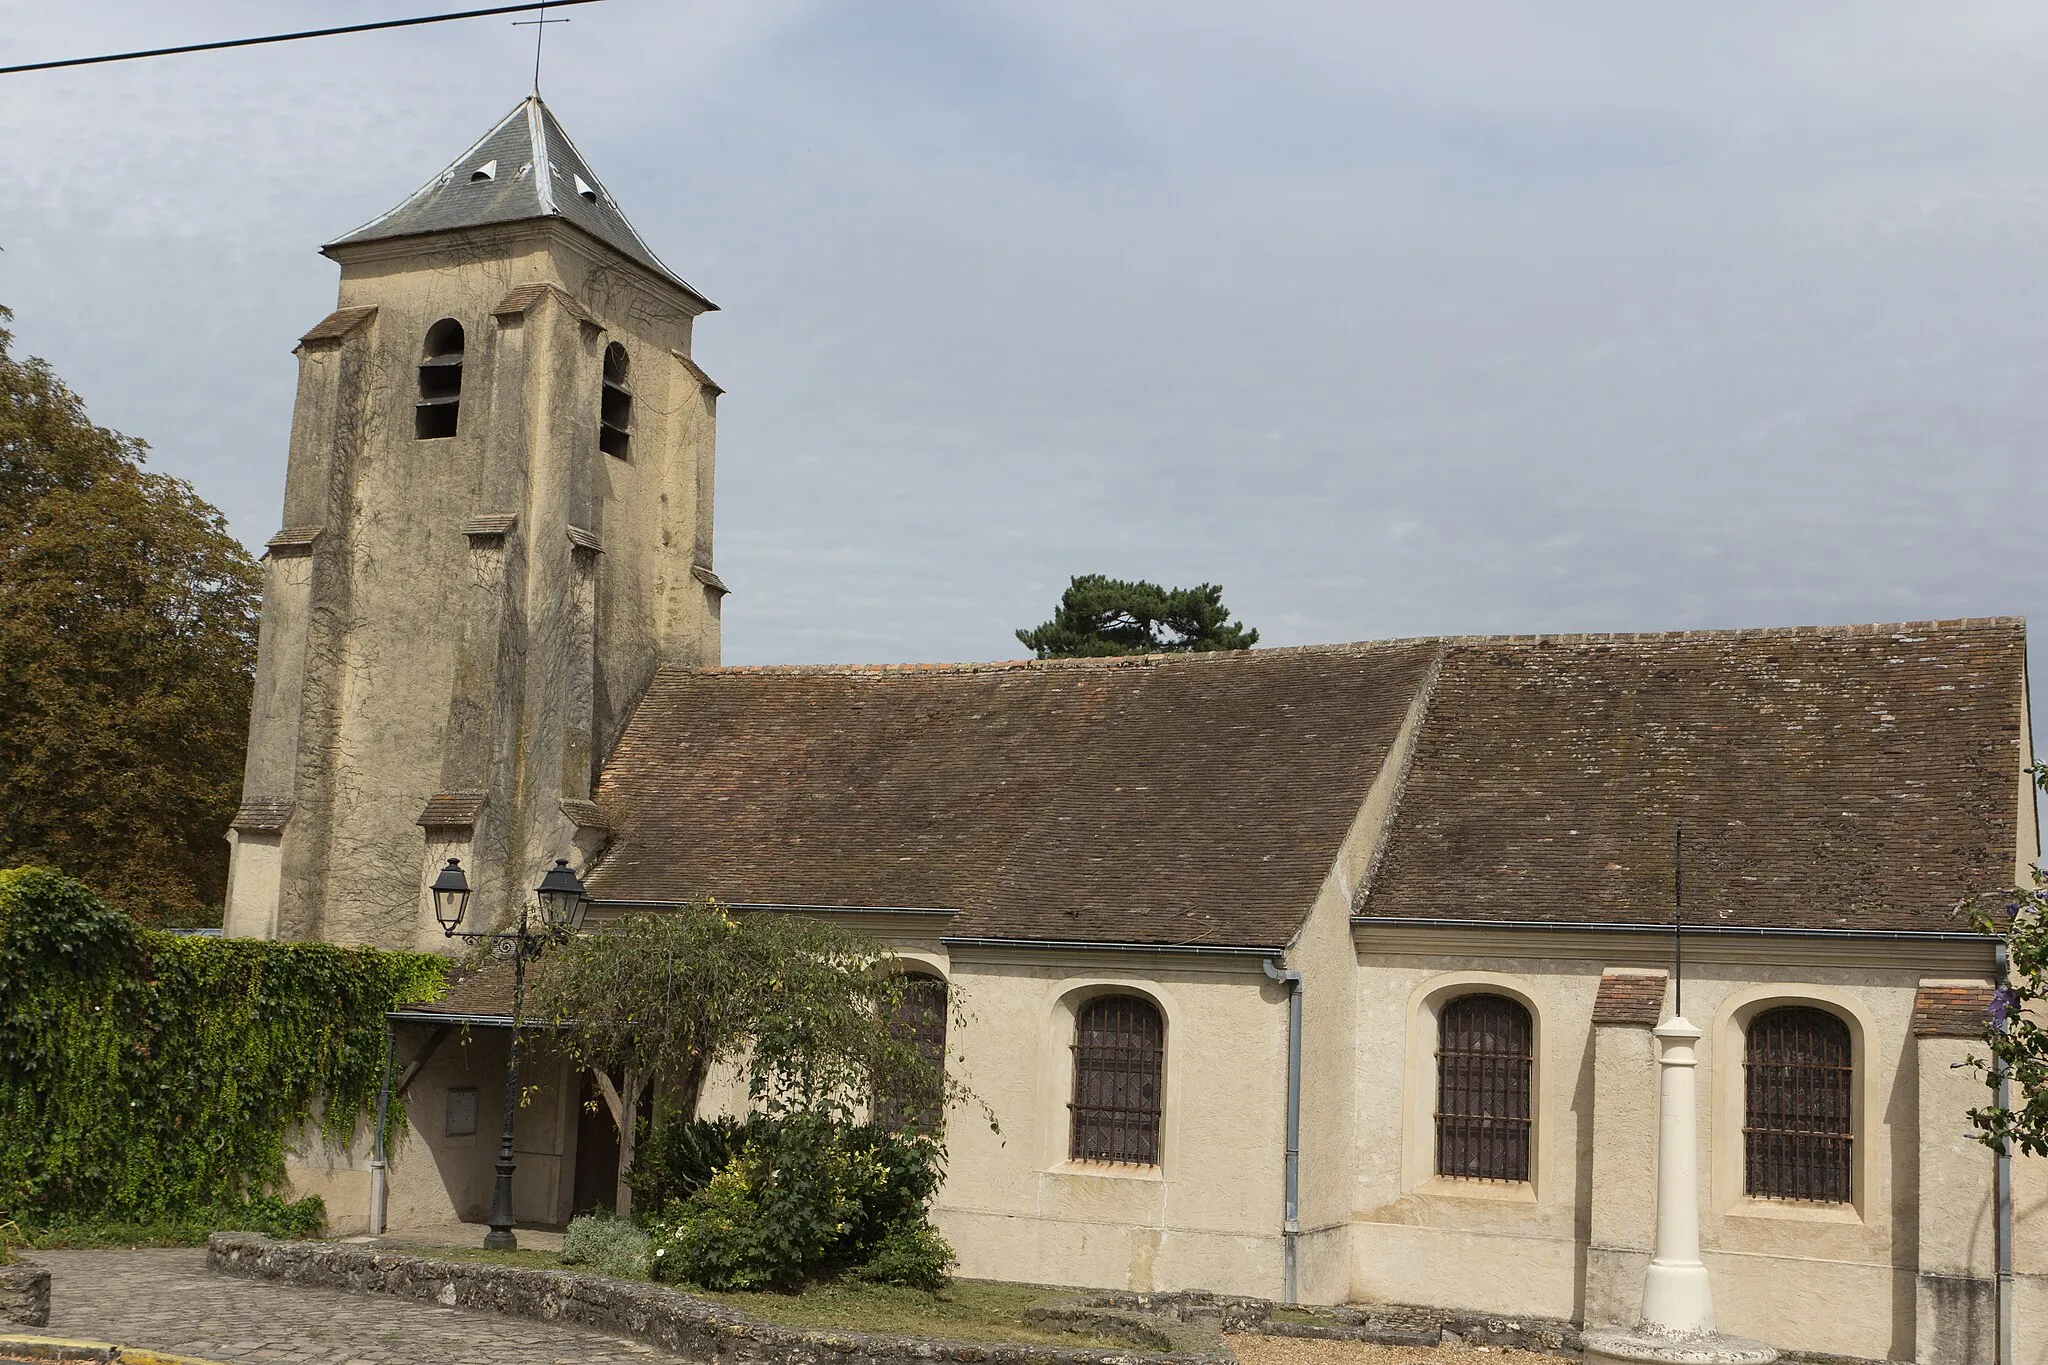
1253,1349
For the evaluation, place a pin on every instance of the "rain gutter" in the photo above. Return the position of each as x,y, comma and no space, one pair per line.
1691,930
2002,1190
1290,1226
1090,945
603,903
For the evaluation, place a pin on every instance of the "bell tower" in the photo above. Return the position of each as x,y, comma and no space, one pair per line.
497,525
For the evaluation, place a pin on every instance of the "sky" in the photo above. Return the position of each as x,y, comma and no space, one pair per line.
1393,320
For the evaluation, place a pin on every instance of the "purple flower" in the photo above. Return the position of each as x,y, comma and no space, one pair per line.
2005,1001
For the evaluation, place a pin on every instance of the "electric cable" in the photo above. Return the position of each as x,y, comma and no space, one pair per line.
292,37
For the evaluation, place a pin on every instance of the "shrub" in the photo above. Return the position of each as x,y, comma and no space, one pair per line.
678,1156
610,1245
912,1255
807,1197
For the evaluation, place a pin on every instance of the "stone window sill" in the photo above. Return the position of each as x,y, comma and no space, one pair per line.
1459,1187
1106,1170
1794,1211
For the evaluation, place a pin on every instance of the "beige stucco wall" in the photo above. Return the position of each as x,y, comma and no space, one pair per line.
1901,1273
1836,1279
401,656
435,1178
1014,1205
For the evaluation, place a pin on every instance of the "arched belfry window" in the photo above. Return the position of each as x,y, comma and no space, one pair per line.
1119,1080
920,1021
440,402
615,408
1798,1081
1485,1064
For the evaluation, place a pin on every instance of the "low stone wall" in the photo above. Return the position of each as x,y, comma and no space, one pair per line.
1390,1324
24,1294
691,1327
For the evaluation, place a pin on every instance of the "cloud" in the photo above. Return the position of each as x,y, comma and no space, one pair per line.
1394,320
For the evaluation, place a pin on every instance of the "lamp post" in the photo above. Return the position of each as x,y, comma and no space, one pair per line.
562,903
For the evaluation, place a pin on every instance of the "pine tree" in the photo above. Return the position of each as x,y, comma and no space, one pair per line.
1099,616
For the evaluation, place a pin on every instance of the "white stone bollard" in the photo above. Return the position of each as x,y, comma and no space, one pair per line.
1678,1302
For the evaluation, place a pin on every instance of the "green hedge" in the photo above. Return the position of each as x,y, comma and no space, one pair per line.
146,1076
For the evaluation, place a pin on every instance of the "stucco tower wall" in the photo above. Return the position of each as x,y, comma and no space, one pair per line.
479,612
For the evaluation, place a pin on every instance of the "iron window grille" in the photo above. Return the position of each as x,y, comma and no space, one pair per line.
1119,1065
920,1020
1485,1063
1798,1088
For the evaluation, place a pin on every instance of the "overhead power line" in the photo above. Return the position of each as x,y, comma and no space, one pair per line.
291,37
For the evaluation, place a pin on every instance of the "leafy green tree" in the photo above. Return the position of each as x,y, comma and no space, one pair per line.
1100,616
127,643
2015,1038
658,1000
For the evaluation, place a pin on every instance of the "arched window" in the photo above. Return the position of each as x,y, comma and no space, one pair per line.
440,382
1485,1060
615,407
920,1020
1798,1070
1119,1080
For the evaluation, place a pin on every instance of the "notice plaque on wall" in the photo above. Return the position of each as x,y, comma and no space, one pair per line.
461,1113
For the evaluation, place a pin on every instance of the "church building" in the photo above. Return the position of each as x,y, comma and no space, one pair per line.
1324,974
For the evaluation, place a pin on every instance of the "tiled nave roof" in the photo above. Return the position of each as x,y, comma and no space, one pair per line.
1847,778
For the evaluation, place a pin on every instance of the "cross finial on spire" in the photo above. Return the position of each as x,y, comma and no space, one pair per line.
540,31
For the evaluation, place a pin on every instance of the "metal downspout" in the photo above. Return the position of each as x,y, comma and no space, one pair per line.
380,1186
1290,1228
2002,1191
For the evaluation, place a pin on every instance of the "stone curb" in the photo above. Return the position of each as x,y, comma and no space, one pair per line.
57,1349
690,1327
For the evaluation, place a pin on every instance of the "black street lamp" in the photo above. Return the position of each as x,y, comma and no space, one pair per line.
562,903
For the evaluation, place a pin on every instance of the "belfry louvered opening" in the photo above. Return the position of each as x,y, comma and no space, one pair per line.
920,1021
615,406
439,409
1119,1080
1485,1064
1798,1089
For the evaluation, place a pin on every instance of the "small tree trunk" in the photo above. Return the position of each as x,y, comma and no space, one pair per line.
629,1138
624,1104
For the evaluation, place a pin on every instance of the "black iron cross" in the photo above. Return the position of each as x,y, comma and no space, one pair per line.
540,31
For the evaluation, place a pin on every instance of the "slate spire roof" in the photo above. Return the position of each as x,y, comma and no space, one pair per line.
525,167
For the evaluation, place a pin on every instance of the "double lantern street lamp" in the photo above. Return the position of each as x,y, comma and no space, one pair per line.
562,903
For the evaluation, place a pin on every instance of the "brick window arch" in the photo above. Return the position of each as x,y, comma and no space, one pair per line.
1485,1065
1798,1105
1119,1080
920,1020
440,402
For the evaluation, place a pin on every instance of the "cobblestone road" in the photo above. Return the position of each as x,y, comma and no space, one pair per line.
167,1300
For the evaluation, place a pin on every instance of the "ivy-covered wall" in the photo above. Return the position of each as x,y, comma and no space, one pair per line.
145,1075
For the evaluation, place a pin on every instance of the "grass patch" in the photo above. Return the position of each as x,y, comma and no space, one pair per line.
966,1310
1282,1313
